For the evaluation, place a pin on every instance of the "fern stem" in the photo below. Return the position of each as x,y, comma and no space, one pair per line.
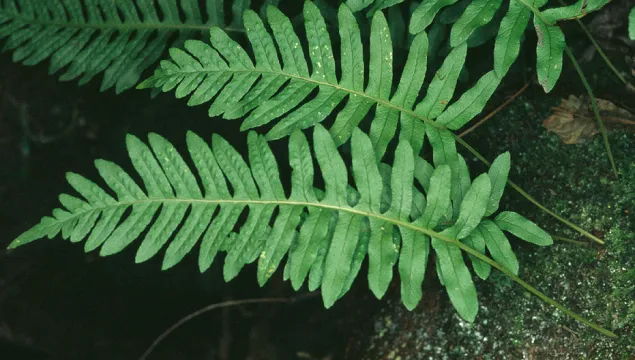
596,110
529,197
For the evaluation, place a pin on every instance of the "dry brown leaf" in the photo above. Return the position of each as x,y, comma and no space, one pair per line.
574,122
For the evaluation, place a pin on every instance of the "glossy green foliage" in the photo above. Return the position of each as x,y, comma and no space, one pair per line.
121,38
325,233
476,21
295,93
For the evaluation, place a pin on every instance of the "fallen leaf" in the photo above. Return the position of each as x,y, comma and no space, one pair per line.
574,122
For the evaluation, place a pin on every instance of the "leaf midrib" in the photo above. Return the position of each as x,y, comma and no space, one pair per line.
248,202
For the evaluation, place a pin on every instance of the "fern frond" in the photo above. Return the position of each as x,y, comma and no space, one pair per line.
268,91
87,37
326,234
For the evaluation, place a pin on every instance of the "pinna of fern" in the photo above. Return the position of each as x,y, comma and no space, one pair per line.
325,233
120,38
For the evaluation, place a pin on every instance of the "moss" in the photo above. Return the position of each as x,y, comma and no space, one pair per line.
597,282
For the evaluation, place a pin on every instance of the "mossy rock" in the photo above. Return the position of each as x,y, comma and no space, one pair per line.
595,281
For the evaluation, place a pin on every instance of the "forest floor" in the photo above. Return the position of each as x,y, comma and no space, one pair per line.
56,302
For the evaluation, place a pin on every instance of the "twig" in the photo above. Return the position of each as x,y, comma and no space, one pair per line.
224,304
570,330
495,111
619,120
226,339
24,117
594,105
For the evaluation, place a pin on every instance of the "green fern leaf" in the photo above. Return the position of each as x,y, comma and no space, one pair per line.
572,11
523,228
443,84
476,14
456,278
473,206
296,94
498,245
507,45
88,37
461,183
498,173
438,197
471,103
326,234
425,13
423,173
414,72
549,53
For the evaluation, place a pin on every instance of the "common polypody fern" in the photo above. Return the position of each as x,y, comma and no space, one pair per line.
326,234
269,91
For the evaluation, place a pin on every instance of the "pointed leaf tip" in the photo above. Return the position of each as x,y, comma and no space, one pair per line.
523,228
